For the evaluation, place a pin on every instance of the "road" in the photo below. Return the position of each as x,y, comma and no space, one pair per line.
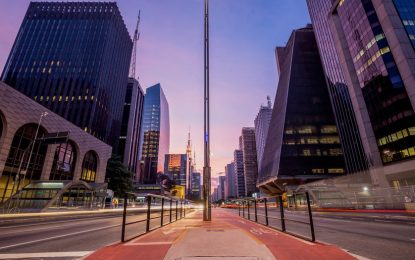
371,235
69,235
374,236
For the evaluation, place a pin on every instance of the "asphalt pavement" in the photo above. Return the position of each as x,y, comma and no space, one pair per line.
370,235
374,236
67,235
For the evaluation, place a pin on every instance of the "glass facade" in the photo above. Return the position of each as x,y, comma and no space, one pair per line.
239,171
89,167
196,192
18,160
73,58
391,113
64,162
303,143
129,141
248,147
406,11
175,168
354,154
155,132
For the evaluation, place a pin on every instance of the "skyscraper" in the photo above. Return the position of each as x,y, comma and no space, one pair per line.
354,153
375,43
73,58
248,148
129,143
175,166
230,187
189,168
221,187
262,121
239,171
156,133
196,191
302,143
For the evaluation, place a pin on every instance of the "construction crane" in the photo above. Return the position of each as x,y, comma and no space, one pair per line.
134,54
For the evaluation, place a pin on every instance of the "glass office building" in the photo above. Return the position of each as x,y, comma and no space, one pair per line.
156,133
175,166
406,11
129,143
303,143
239,172
354,153
379,65
73,58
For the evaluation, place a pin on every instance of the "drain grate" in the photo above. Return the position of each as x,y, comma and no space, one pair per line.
215,230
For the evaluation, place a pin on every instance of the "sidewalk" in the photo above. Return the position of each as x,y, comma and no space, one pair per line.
227,237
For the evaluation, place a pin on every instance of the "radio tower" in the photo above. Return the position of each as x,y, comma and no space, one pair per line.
134,54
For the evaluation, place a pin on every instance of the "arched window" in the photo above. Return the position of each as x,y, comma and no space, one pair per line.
22,148
89,167
1,126
64,162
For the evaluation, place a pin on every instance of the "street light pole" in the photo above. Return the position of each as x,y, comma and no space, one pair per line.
207,216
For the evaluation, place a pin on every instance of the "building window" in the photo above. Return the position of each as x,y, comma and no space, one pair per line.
1,127
23,146
336,170
89,167
64,162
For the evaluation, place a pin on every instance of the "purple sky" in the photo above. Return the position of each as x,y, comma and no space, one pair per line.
243,35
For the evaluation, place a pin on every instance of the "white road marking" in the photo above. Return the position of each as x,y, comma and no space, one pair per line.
378,220
45,255
412,239
60,236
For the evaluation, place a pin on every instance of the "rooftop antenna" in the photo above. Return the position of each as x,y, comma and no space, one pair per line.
134,53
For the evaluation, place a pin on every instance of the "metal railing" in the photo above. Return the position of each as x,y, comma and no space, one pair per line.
159,211
244,210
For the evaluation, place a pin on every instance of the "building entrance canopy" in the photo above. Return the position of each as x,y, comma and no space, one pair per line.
49,195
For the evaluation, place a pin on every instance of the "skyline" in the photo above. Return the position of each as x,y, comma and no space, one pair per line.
170,52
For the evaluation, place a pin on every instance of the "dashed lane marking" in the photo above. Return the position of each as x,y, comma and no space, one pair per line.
45,255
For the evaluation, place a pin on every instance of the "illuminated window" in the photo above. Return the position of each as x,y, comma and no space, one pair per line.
335,152
317,171
312,141
306,152
305,130
89,167
329,140
289,131
336,170
330,129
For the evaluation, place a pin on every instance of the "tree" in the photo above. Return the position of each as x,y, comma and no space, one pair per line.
120,178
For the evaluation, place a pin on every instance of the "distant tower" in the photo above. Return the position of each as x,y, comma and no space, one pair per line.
189,167
269,102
